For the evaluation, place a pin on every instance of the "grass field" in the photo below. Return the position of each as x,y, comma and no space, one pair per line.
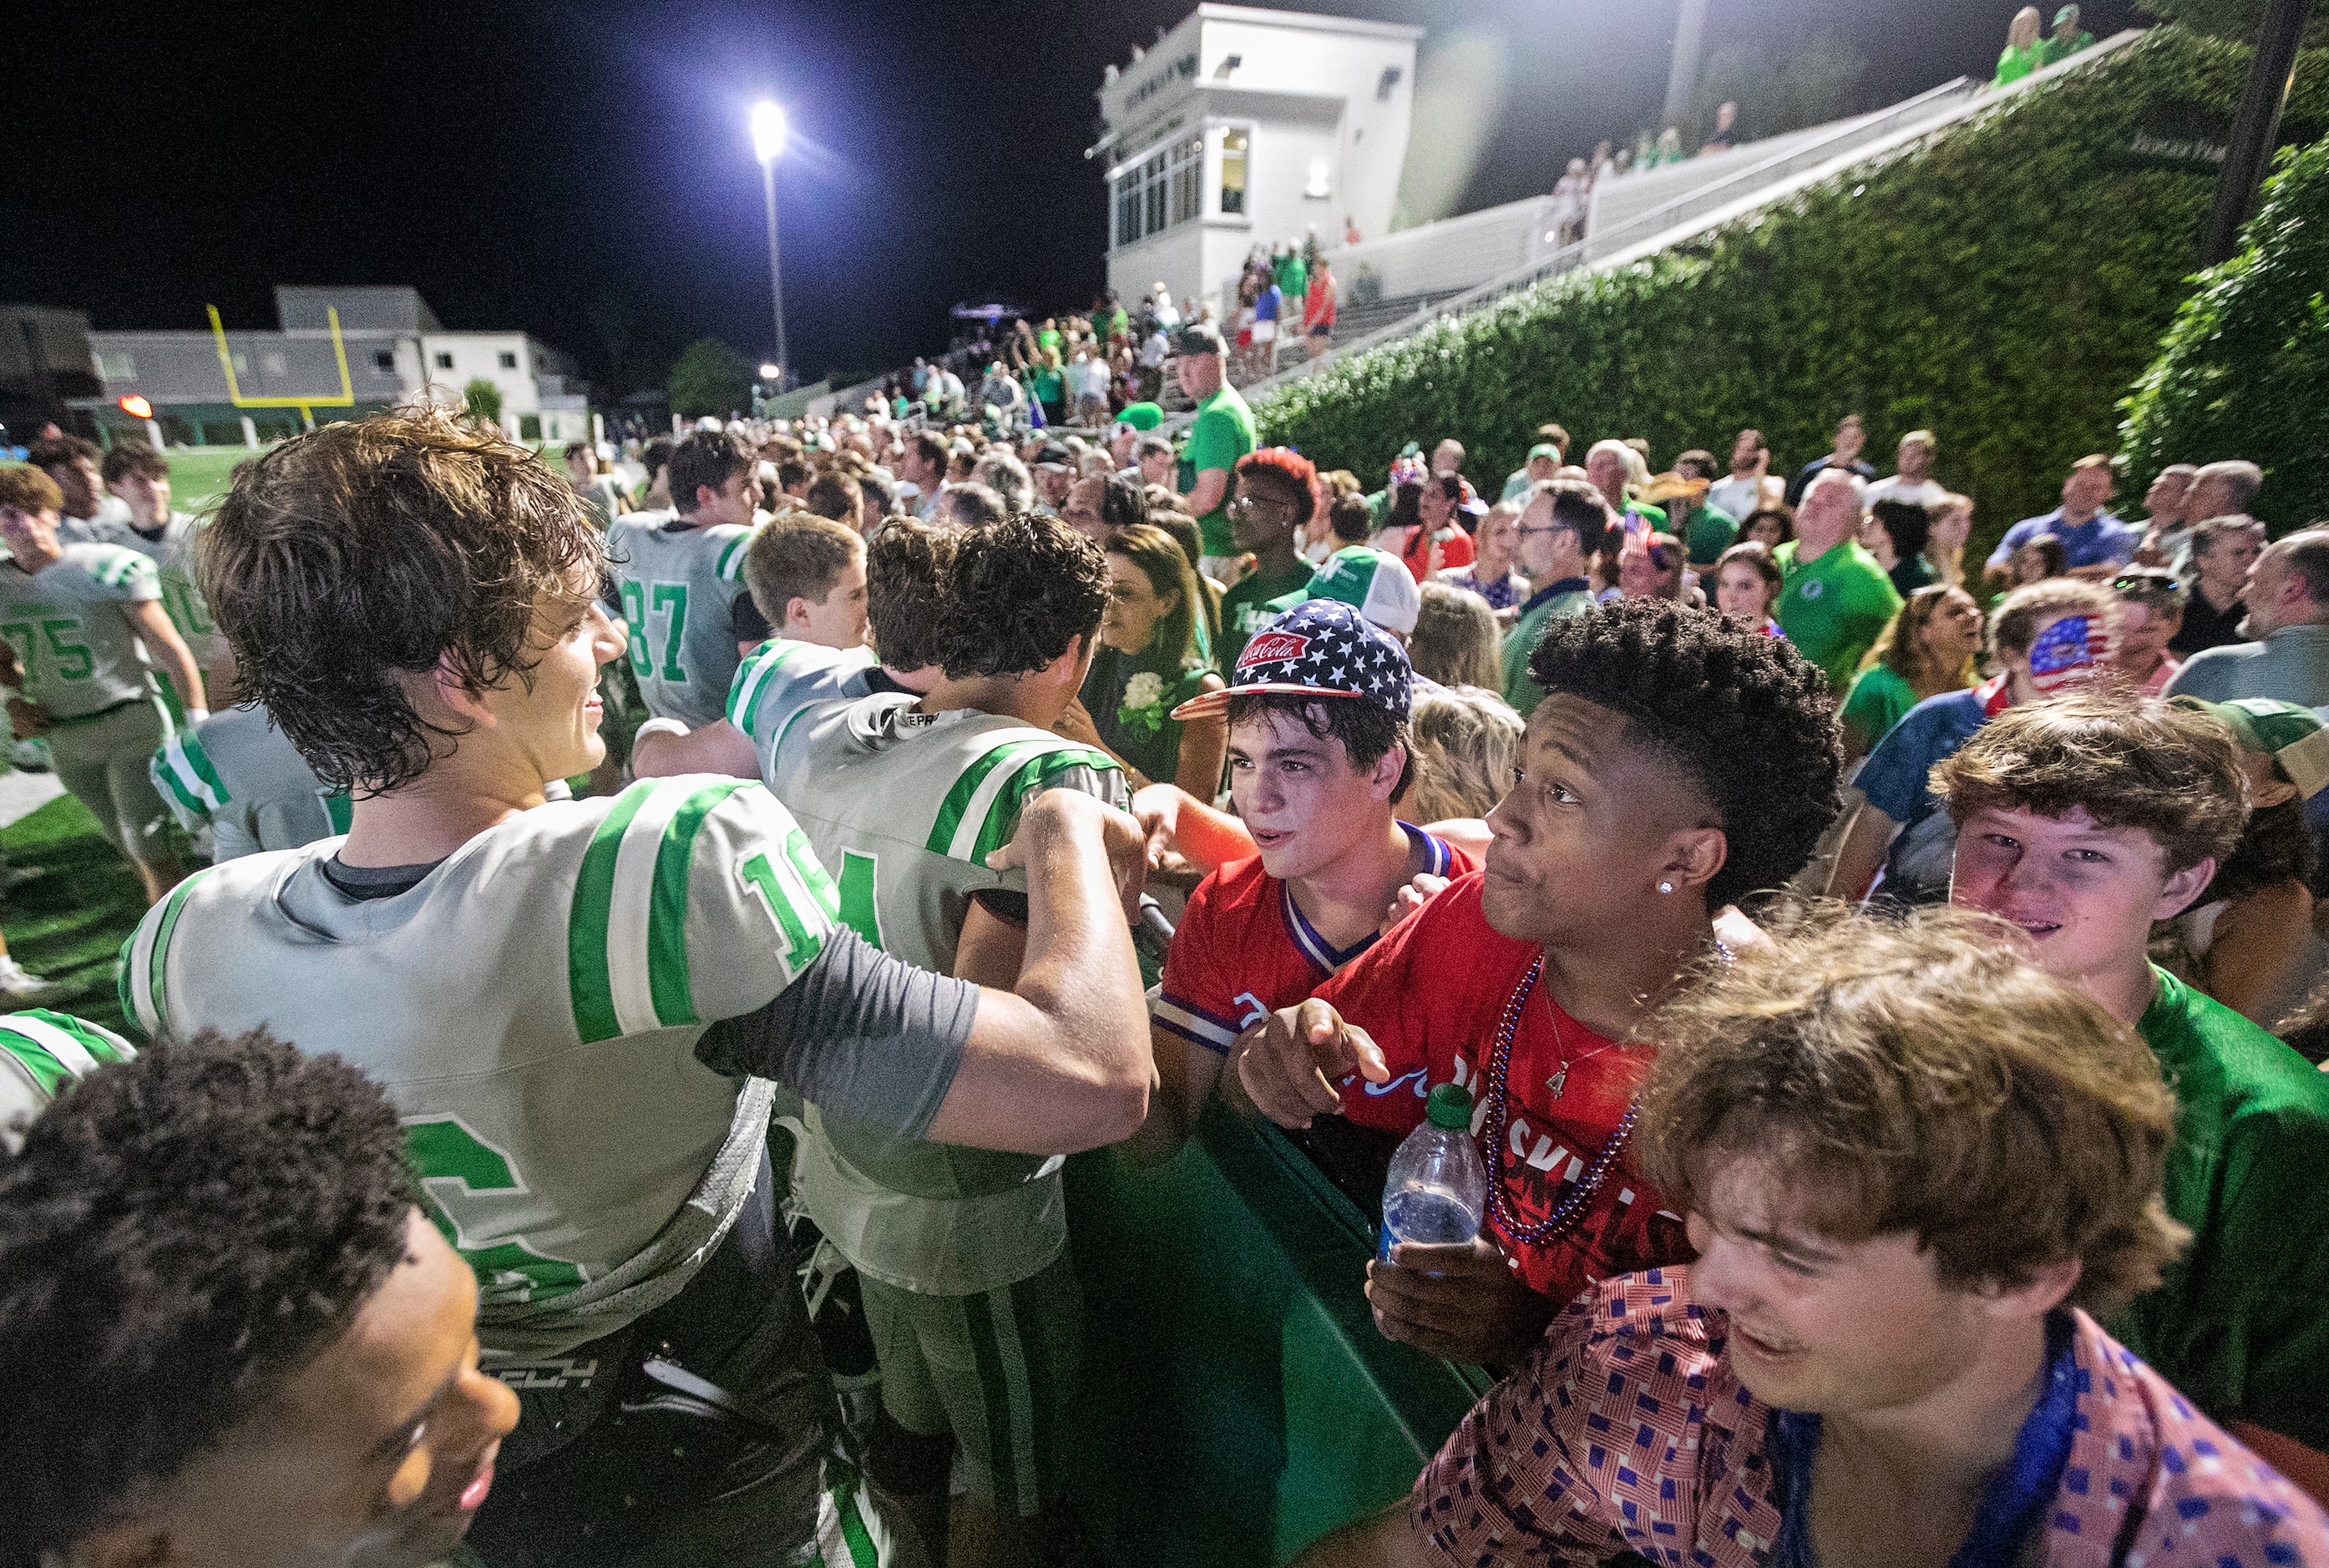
198,475
69,920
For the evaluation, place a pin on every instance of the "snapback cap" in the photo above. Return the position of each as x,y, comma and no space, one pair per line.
2292,736
1373,582
1323,648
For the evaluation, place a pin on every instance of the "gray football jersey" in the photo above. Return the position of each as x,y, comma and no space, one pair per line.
172,554
240,776
903,807
532,1008
66,625
677,585
112,514
42,1055
779,681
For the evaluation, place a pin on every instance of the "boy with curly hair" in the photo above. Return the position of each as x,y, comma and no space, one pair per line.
1680,762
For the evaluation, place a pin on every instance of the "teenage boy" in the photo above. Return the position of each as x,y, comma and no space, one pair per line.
577,1006
2082,821
80,621
904,566
1275,499
1918,1171
139,478
2046,640
87,514
960,1253
1682,762
1561,525
674,578
810,573
233,1337
1318,763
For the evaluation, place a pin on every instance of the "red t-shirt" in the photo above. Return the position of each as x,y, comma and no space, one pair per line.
1243,950
1432,995
1455,552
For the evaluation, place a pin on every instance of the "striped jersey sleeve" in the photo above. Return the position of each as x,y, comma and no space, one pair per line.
183,776
698,899
981,812
730,566
125,573
42,1055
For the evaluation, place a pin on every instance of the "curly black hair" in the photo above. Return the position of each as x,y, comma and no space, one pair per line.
1743,716
179,1235
905,580
1018,592
346,559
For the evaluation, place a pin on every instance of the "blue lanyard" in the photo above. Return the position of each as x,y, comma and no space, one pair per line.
2013,1505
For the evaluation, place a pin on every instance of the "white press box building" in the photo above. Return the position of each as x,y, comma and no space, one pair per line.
1242,127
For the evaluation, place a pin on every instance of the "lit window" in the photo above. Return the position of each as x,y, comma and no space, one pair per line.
1233,150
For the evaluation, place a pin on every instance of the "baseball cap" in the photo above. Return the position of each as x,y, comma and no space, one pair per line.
2292,736
1199,337
1054,454
1320,649
1141,415
1373,582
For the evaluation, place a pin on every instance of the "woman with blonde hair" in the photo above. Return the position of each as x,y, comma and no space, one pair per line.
1467,745
1945,544
1927,648
2023,51
1455,641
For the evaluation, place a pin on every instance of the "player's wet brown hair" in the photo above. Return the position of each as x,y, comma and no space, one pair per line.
29,489
345,560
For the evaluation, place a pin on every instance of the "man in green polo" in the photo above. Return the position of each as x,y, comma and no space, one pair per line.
1833,599
1561,526
1223,433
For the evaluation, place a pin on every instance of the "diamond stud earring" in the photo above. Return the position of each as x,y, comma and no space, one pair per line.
1665,887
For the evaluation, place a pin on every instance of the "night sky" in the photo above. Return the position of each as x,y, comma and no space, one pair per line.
583,170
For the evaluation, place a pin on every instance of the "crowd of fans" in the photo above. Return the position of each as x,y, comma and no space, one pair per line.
1863,966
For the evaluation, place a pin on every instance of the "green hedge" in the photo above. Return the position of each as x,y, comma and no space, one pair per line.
2244,369
2001,284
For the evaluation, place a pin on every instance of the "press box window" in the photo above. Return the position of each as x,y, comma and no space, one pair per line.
1233,151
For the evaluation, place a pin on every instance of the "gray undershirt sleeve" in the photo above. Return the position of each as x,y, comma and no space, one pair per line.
859,1034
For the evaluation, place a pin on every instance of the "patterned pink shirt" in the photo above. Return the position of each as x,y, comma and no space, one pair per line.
1626,1431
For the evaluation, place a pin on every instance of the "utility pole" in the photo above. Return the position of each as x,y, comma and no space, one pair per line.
2256,125
1681,75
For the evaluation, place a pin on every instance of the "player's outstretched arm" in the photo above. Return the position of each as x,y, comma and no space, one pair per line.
664,750
1060,1062
1289,1062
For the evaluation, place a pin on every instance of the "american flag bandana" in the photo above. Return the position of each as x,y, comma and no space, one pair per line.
2068,652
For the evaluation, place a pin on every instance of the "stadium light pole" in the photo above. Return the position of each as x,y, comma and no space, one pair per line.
2256,125
769,132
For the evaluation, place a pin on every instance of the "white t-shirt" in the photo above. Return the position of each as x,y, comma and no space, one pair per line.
1892,487
1734,495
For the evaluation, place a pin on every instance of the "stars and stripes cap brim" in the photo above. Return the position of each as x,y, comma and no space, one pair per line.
1323,648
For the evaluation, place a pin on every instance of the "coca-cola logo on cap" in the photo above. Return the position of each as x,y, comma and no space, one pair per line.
1270,647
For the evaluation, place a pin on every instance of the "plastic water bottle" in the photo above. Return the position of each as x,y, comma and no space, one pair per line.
1438,1186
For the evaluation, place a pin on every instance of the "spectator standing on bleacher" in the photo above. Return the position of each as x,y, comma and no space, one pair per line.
2024,51
1851,435
1569,195
1836,598
2288,599
1725,135
1318,309
2068,37
1221,433
1740,492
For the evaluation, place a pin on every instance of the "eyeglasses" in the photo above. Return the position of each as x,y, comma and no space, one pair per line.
1247,503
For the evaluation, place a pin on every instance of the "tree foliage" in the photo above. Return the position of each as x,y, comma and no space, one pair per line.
2244,369
2000,284
2236,19
709,378
482,400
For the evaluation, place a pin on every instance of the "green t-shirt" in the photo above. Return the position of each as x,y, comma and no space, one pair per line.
1833,607
1292,276
2016,63
2054,49
1245,607
1880,698
2236,1322
1710,532
1222,433
1568,596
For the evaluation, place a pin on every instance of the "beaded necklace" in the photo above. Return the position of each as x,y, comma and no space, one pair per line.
1570,1209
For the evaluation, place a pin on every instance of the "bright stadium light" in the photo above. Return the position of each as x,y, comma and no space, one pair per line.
767,145
769,131
770,372
135,407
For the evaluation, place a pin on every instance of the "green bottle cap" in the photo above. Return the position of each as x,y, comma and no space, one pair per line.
1449,1106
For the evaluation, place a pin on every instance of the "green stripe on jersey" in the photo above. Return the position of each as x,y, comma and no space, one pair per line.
185,768
730,566
1036,774
120,564
752,676
57,1049
667,980
589,980
145,960
964,796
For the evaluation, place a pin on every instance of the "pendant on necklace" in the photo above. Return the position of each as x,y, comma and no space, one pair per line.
1559,1081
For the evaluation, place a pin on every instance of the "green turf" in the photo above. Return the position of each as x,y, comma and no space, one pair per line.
198,475
69,922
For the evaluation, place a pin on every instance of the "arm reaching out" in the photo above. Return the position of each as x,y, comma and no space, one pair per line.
1289,1062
